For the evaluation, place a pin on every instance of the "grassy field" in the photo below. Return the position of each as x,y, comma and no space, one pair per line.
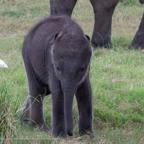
117,77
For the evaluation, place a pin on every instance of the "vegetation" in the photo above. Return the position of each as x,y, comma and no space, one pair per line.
117,77
129,2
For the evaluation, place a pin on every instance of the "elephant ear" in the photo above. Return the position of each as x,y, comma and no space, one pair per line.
87,37
55,37
51,42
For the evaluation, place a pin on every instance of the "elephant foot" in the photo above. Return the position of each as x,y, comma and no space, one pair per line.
105,44
24,118
41,127
138,42
59,133
62,135
70,133
86,129
95,45
87,133
136,46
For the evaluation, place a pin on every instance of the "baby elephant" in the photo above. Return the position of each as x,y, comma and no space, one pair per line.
57,57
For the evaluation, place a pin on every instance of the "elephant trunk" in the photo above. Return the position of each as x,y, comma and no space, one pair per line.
69,90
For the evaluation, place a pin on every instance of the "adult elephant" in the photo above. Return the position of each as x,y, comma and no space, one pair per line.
103,10
138,41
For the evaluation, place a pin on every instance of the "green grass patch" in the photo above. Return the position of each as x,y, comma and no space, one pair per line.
129,2
117,82
12,13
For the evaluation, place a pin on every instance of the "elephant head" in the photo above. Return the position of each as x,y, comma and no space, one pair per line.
70,55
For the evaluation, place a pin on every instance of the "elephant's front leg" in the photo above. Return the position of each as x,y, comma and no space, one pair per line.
84,100
59,124
25,116
36,112
62,7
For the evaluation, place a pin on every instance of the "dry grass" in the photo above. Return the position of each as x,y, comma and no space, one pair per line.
126,20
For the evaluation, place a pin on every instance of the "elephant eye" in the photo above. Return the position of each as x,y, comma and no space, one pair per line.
58,68
83,68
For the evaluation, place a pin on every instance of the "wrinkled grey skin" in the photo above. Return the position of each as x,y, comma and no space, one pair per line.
57,57
103,10
138,41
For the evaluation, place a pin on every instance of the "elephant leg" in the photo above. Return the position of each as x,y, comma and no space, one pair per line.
58,114
25,116
84,101
33,111
62,7
103,11
138,41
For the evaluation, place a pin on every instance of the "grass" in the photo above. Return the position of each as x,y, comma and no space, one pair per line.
129,2
116,76
119,87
